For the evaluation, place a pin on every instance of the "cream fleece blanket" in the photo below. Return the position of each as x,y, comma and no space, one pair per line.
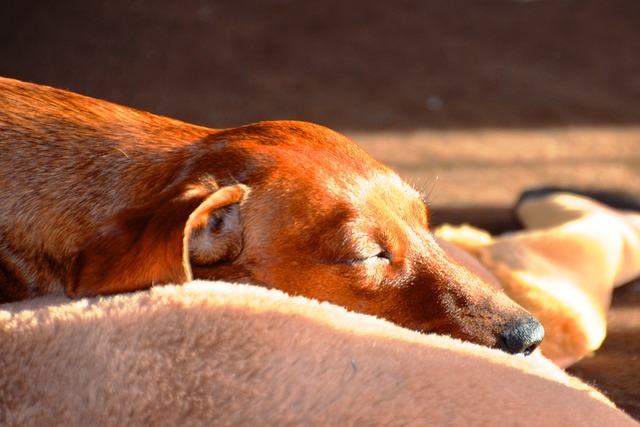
562,267
221,354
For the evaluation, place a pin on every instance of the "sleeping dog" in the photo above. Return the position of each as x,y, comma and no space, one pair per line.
101,199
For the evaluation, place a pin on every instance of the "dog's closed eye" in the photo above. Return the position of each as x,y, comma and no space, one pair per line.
379,256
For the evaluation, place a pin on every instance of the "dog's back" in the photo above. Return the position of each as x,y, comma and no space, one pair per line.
69,162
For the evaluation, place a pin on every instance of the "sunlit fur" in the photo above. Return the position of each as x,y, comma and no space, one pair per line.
100,199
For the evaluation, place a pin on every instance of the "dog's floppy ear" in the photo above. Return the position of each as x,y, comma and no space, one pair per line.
150,245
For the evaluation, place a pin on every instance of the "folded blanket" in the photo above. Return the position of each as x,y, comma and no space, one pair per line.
562,267
221,354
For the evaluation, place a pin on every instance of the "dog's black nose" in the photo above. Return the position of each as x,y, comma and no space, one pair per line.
522,336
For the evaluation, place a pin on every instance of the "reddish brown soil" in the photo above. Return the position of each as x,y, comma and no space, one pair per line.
473,101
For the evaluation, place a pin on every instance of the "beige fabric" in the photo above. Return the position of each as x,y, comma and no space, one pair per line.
562,267
222,354
618,233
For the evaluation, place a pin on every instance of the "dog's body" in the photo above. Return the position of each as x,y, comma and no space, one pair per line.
97,198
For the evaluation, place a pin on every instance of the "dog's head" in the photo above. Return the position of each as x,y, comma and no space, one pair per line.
302,209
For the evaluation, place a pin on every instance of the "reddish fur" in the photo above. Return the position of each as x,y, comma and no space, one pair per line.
98,198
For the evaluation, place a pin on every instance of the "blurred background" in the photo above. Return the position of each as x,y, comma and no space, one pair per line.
472,101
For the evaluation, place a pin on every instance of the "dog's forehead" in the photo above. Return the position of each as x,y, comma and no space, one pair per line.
302,145
385,194
378,192
307,162
344,172
383,185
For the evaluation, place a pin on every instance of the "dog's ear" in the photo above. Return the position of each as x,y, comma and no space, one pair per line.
150,245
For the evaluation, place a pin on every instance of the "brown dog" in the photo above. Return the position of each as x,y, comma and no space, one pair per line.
99,199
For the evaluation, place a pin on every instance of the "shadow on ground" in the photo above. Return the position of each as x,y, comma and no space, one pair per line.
357,65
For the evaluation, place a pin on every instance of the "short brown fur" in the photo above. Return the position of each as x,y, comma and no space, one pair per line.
101,199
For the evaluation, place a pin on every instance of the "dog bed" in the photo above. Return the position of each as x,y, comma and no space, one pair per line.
210,353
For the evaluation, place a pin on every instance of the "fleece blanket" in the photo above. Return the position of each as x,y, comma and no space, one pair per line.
222,354
562,267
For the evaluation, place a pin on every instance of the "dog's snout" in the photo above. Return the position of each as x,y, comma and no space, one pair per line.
522,336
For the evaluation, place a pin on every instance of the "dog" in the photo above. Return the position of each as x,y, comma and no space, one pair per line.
100,199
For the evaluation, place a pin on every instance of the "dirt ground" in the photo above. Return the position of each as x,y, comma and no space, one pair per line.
472,101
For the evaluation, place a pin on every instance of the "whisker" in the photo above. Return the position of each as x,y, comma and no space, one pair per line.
426,197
